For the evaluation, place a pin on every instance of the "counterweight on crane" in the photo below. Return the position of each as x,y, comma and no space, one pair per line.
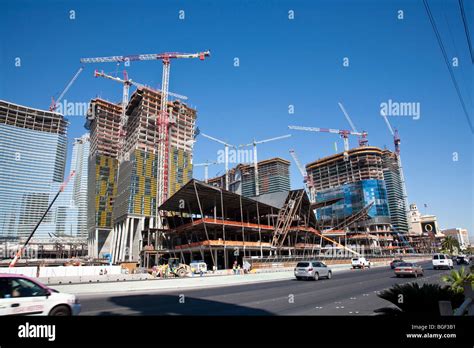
163,121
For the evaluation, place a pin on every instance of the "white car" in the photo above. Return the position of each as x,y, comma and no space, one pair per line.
21,295
360,262
442,261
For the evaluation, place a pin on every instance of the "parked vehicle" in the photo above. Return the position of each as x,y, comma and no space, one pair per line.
395,263
408,269
21,295
198,266
360,262
312,270
442,261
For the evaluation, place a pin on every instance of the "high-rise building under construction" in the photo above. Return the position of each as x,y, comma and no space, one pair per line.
135,206
395,191
358,181
273,176
103,121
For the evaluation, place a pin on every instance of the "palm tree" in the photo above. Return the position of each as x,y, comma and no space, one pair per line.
457,279
411,298
449,243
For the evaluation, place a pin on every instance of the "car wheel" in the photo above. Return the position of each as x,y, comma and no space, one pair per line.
60,311
398,275
329,275
316,276
298,278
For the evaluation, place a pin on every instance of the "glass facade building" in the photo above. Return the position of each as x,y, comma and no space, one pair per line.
32,162
355,196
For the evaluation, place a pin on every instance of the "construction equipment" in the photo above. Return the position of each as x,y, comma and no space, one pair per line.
177,268
286,215
54,103
342,132
255,160
363,139
308,180
163,121
226,154
206,169
125,97
61,189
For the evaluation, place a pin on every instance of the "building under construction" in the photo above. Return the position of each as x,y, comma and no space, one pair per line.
358,180
273,176
135,207
103,122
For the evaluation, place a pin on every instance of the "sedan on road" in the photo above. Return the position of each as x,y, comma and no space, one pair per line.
408,269
21,295
312,270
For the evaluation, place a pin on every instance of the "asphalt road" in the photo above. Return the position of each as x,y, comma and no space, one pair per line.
347,293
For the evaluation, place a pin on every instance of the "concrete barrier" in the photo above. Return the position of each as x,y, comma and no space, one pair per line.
63,271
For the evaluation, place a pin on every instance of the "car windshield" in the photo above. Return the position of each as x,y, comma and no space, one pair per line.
355,259
302,264
405,264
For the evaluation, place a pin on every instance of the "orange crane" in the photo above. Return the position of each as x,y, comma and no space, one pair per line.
163,121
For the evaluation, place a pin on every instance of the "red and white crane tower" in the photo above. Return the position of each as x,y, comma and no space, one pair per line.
163,120
126,82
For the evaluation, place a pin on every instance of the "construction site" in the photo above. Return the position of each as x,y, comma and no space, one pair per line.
144,205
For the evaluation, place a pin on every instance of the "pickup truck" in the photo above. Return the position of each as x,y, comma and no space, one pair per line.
360,262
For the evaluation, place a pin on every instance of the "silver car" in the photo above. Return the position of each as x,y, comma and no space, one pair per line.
312,270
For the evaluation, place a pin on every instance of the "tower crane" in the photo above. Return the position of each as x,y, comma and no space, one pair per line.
342,132
125,97
308,180
206,169
363,139
226,153
54,103
163,120
255,160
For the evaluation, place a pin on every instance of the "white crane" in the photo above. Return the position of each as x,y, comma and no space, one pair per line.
255,159
54,103
396,142
226,154
342,132
363,139
206,169
308,180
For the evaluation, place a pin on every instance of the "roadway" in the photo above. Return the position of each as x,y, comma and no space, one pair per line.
347,293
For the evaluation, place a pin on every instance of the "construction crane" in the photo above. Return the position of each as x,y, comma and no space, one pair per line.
255,160
206,169
342,132
61,189
363,139
226,154
163,120
54,103
308,180
126,82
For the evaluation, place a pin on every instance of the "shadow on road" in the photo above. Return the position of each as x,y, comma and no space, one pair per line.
176,305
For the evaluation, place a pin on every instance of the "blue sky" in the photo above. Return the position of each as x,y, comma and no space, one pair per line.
282,62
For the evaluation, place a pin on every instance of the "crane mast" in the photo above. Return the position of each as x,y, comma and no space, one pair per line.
163,120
